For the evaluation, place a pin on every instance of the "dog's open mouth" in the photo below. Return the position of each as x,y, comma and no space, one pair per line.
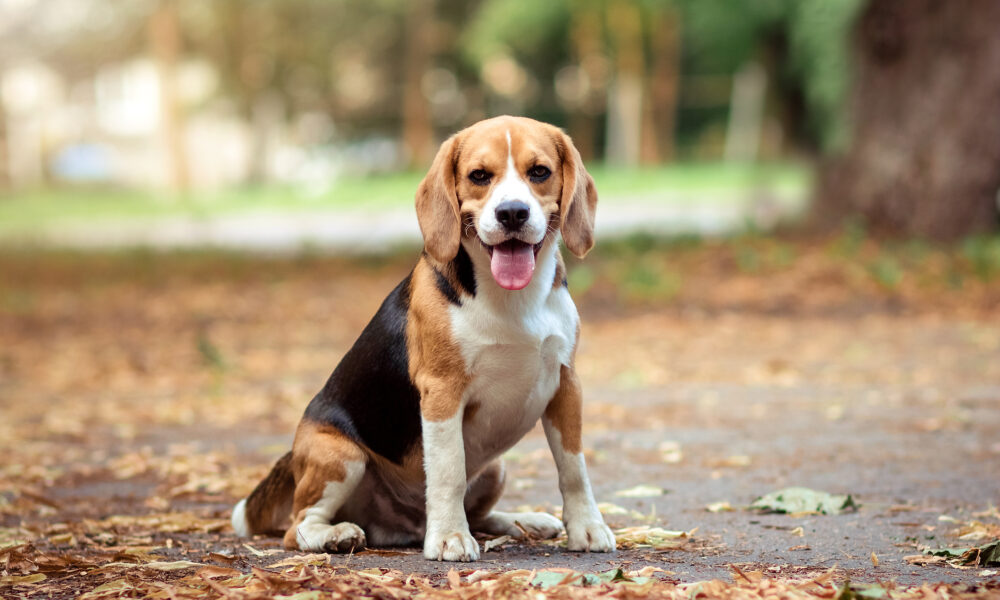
513,263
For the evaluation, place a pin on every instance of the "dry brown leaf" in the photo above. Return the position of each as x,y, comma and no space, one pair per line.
22,579
924,559
496,542
301,559
211,571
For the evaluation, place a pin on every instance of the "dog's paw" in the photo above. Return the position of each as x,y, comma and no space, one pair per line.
589,536
342,537
451,546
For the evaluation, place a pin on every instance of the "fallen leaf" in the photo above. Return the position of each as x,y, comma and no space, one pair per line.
551,578
171,566
801,501
210,571
947,552
102,591
874,559
22,579
608,508
302,559
646,571
253,550
65,539
798,531
479,575
496,542
670,452
226,558
987,555
641,491
557,577
307,595
717,507
651,537
871,591
977,530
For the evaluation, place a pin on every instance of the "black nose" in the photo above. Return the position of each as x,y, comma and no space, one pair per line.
512,214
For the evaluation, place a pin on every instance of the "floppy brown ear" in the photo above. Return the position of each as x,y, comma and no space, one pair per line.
578,205
437,205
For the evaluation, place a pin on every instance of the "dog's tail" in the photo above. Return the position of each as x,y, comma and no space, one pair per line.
269,505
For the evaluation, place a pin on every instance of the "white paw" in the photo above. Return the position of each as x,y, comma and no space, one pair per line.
536,524
589,536
451,546
342,537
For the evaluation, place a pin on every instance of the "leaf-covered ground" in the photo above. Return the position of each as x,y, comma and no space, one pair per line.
142,394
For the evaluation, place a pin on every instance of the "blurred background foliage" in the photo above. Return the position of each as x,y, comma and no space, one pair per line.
205,100
281,89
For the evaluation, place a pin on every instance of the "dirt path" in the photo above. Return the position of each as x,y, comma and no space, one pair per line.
141,396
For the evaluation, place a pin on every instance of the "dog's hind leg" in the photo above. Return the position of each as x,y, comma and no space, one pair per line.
483,493
328,467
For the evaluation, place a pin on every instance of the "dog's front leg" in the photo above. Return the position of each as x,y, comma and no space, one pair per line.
563,421
447,536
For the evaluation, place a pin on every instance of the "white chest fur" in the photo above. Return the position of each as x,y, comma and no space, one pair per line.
513,343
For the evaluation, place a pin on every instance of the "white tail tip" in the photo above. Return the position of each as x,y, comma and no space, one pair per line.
239,520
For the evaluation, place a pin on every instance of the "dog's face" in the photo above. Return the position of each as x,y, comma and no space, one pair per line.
508,184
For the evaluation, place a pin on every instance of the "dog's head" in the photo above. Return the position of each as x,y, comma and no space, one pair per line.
510,184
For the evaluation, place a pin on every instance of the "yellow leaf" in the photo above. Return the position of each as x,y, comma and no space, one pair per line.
22,579
716,507
641,491
117,585
172,566
63,539
608,508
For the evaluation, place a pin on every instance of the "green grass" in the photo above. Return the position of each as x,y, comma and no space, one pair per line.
39,210
709,178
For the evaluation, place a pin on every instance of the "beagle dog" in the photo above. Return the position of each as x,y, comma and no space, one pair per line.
469,351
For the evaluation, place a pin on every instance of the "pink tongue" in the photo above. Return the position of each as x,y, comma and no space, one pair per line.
512,265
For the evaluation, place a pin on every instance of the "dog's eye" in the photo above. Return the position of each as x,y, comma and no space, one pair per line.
479,177
538,173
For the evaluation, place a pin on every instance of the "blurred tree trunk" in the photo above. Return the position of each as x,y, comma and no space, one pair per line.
925,152
418,130
248,74
165,39
661,108
625,96
5,178
586,34
746,113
